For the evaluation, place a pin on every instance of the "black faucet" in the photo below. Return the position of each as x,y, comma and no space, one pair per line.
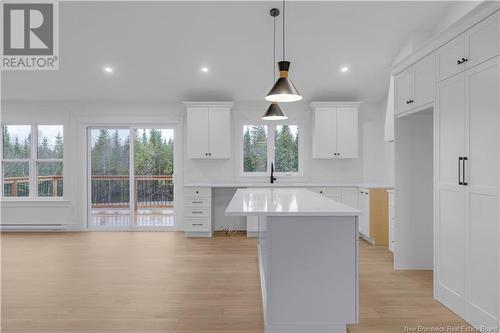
272,173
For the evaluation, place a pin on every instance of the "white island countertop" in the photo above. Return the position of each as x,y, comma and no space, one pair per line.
285,202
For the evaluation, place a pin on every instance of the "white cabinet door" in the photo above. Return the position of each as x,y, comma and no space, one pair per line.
451,121
448,56
350,197
347,132
450,256
483,41
197,132
423,82
403,83
450,230
325,133
482,171
219,133
364,206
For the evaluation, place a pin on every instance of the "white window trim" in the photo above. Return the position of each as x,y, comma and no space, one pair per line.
271,130
32,163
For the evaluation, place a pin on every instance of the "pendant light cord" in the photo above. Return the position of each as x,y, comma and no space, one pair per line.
283,30
274,49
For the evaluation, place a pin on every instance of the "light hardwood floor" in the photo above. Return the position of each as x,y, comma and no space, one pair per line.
163,282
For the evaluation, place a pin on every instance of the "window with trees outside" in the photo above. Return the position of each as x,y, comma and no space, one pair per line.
32,161
263,144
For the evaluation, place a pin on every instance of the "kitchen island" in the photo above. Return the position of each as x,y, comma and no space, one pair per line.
308,258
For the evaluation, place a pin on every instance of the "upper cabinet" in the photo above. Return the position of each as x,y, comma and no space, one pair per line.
208,130
414,87
335,129
476,45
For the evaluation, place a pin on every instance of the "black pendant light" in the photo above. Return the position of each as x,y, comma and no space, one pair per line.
274,111
283,90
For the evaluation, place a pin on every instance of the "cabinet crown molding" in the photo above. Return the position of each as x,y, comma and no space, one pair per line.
316,105
208,104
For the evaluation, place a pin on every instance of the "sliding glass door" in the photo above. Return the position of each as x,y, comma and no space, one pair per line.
153,178
131,186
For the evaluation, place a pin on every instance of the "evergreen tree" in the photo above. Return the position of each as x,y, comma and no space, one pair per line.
286,149
58,146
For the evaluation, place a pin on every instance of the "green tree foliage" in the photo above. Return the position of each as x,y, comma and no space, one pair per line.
154,154
286,150
255,149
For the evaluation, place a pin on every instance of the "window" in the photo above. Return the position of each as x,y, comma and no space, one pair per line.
32,158
254,148
279,144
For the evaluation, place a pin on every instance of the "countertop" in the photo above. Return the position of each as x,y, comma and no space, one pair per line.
289,184
285,202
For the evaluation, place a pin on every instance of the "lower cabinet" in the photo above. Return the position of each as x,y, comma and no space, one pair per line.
374,206
346,195
198,219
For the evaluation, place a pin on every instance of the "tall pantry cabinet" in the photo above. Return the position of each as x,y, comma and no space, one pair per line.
467,168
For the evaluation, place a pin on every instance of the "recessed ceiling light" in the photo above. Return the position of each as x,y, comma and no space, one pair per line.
204,69
344,69
108,69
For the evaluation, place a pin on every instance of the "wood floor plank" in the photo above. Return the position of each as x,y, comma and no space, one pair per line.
163,282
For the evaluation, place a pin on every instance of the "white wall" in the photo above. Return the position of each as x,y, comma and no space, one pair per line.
371,166
414,192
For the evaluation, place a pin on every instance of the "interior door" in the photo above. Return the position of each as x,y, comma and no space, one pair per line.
219,128
482,109
450,228
197,132
347,132
325,133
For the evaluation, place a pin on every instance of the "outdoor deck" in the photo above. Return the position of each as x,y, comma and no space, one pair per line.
153,199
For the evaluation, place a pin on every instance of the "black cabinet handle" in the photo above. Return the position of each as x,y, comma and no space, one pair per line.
464,159
459,62
459,170
464,60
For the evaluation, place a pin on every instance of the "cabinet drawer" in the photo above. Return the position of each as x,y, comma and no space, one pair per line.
198,191
196,211
197,225
328,191
197,201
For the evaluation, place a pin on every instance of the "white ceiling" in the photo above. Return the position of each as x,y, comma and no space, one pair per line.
158,48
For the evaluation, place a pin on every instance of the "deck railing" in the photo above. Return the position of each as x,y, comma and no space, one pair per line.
48,186
151,191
